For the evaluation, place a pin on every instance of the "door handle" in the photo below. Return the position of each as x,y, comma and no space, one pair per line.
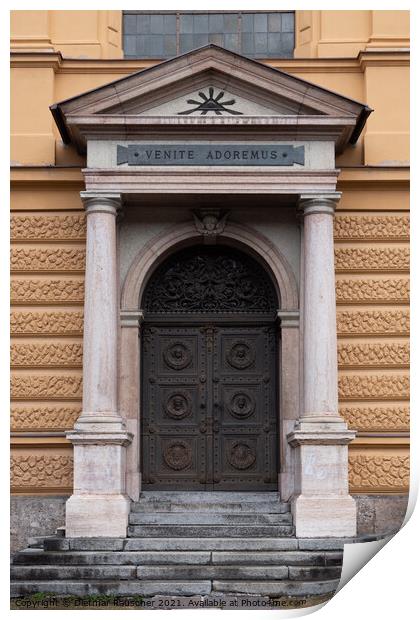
216,426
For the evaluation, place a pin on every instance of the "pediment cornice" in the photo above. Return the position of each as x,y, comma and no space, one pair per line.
236,94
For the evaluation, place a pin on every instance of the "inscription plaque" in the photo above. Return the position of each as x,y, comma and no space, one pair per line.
210,154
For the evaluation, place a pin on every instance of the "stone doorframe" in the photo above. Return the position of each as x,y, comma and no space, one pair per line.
314,438
143,265
278,109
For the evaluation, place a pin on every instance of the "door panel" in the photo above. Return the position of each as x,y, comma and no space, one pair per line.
244,388
173,412
209,414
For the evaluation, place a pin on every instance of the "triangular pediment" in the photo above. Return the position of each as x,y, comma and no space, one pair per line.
209,85
211,98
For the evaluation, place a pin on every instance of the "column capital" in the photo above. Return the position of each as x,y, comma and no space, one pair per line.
131,318
309,204
288,318
95,202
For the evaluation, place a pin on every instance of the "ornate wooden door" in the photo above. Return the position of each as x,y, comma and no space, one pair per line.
244,454
209,408
209,401
174,408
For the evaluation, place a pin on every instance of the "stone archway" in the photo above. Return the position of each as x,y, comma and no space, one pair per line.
117,121
145,263
209,384
234,234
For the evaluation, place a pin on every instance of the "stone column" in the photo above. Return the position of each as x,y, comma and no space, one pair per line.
130,394
99,505
289,396
322,505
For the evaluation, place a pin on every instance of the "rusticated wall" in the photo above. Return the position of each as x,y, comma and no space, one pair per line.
372,262
48,252
47,263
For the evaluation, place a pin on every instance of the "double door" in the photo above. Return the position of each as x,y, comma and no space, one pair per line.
209,415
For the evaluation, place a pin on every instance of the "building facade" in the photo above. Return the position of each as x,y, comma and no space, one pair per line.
209,265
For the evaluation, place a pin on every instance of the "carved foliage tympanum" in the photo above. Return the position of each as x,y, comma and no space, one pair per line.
209,280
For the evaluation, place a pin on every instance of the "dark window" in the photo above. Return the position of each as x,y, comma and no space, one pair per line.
164,34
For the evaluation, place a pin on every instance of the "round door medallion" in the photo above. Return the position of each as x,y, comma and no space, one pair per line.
178,405
177,454
241,455
240,355
177,355
241,405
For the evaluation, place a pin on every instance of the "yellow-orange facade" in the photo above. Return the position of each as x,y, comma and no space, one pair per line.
359,54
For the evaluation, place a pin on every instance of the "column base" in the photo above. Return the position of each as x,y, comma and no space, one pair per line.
97,516
322,505
99,506
323,516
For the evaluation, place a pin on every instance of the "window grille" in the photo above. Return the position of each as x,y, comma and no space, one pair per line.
166,34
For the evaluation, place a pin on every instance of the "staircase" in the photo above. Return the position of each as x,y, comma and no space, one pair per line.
185,544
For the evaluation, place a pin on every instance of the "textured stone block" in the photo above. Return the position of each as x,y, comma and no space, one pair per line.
276,588
117,588
196,573
34,573
96,544
34,516
212,544
286,558
312,573
380,514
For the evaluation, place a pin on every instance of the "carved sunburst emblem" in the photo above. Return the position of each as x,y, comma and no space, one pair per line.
211,103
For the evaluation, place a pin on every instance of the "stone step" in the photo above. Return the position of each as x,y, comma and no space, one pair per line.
84,544
175,572
34,557
209,496
37,542
284,558
196,543
276,588
210,544
314,573
208,518
171,544
116,588
196,573
262,507
140,587
43,573
228,531
128,558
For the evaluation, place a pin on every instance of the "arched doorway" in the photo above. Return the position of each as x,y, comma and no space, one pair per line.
209,373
